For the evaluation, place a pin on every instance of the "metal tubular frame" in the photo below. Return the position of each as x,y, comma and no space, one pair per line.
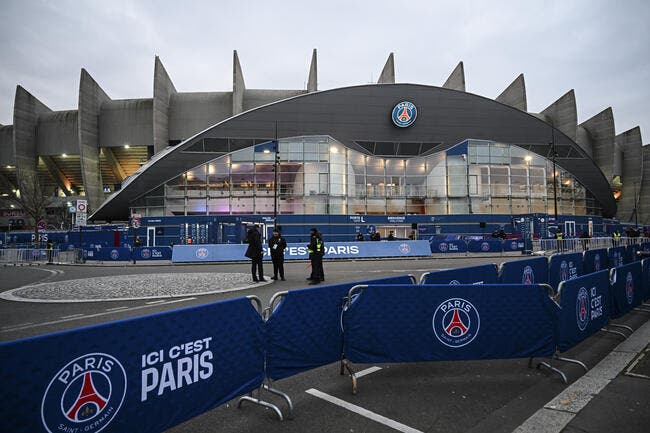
345,363
266,314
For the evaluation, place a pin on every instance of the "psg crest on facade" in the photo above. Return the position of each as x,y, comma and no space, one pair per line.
404,114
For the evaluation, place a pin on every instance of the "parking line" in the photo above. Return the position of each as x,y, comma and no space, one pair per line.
89,316
366,372
363,412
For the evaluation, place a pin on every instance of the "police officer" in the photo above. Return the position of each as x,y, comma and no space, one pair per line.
316,249
255,252
50,250
277,245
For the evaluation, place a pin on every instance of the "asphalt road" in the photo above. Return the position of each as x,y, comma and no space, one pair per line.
477,396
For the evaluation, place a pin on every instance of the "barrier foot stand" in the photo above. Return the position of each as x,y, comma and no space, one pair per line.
614,332
554,370
346,366
260,402
572,361
616,325
283,395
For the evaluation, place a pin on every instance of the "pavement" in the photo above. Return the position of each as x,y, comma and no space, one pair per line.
471,396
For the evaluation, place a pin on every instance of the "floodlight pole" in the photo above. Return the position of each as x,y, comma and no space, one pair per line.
276,167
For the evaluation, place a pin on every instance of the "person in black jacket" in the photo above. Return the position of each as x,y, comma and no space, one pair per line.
277,245
255,253
316,249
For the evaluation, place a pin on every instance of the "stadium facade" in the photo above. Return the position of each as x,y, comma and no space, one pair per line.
379,149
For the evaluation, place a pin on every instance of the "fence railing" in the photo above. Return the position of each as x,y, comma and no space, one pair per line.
37,255
550,246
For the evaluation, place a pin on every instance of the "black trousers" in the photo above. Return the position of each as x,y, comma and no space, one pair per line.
256,268
317,273
278,266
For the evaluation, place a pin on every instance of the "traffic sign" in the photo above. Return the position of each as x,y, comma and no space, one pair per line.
41,225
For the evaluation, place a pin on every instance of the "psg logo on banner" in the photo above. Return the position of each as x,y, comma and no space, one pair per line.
582,309
115,254
528,276
456,322
629,288
85,395
404,114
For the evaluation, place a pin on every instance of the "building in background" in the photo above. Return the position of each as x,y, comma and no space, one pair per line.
348,151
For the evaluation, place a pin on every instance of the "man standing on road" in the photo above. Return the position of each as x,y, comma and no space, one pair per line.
316,249
277,245
137,243
255,253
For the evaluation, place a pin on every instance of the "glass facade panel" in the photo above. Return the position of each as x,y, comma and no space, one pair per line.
318,175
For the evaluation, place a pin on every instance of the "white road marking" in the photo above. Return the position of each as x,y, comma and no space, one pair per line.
366,372
363,412
72,315
10,328
89,316
155,302
557,413
124,307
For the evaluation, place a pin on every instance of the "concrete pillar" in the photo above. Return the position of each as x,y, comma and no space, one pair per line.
387,75
644,192
61,180
7,155
115,165
631,174
26,111
563,114
456,80
601,132
312,81
515,94
238,85
91,98
163,89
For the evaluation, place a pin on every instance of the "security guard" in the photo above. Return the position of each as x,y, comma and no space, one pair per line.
316,249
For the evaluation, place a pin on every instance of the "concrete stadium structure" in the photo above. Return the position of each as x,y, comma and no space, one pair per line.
129,147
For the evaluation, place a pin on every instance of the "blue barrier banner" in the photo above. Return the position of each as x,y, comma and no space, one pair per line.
145,374
304,331
482,274
594,261
513,245
616,256
485,246
626,289
630,252
529,271
563,267
153,253
393,323
584,303
448,247
334,250
106,254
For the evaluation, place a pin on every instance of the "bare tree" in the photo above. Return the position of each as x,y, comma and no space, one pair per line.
30,198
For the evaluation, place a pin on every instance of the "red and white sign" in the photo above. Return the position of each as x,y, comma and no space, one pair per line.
81,216
41,225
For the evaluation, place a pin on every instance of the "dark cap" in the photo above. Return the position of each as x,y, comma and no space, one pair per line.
313,229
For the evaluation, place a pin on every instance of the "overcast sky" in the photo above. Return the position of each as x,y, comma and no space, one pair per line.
599,48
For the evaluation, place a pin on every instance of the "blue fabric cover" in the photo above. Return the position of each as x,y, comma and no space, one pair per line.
485,246
616,256
529,271
585,308
210,354
393,323
482,274
563,267
304,331
594,260
626,289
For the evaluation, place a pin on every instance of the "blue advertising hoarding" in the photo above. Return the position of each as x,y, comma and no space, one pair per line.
333,250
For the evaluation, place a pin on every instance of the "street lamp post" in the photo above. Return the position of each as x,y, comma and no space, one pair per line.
276,167
636,219
554,154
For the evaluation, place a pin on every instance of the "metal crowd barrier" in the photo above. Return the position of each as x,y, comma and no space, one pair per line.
37,255
549,246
